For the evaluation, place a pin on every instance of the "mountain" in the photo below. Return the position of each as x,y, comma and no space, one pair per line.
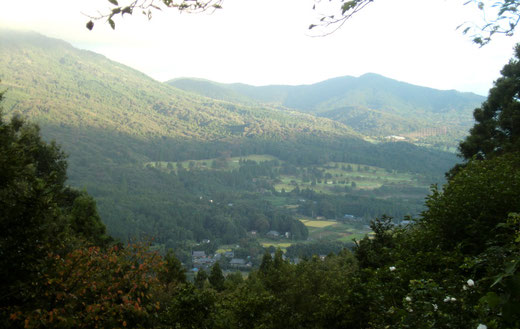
53,82
120,127
85,101
372,96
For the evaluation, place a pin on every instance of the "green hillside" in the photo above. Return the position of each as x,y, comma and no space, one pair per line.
52,82
391,106
114,122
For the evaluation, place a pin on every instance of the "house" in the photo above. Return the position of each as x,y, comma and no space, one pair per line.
237,262
229,254
201,260
273,234
296,261
198,254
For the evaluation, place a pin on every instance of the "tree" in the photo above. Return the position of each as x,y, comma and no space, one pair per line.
95,288
216,278
476,199
173,272
39,215
200,279
32,174
497,127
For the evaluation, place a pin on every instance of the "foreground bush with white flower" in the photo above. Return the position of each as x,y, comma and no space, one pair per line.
457,266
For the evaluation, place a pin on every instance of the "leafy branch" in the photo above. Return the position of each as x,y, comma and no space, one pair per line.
334,22
505,17
499,17
146,7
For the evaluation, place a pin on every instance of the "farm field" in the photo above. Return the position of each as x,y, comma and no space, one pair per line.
340,176
317,223
330,230
277,244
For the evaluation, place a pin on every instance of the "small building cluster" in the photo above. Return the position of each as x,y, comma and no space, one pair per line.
201,261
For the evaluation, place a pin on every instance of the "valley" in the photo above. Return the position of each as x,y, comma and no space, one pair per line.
193,160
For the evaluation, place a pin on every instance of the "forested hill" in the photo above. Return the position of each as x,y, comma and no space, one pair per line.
54,83
369,90
85,100
402,106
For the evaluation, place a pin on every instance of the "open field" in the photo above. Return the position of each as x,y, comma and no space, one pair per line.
318,223
341,176
276,244
333,230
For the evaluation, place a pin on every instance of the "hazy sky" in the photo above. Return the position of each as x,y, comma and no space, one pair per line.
267,41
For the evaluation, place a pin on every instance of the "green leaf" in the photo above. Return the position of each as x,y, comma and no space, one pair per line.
347,6
511,267
492,299
114,2
112,24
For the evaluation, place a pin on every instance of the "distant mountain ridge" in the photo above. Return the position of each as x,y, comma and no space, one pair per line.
370,90
393,101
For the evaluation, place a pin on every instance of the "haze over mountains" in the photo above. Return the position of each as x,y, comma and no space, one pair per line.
114,121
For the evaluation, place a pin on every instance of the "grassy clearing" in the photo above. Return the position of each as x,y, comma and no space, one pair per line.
281,245
337,231
318,223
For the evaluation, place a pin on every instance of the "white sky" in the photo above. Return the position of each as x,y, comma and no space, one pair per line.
267,41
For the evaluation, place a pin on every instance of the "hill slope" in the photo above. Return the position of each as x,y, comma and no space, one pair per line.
418,107
53,82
